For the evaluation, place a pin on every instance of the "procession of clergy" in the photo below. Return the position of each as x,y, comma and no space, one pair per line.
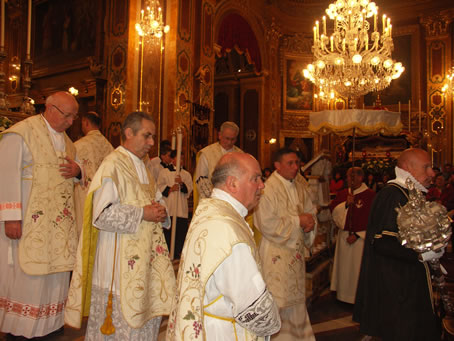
104,216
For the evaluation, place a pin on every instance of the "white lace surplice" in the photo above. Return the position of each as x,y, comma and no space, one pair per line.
110,219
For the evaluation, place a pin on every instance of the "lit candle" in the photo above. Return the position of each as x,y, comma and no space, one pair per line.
384,23
332,43
390,30
409,115
399,106
367,42
2,39
317,29
29,28
315,34
388,22
419,107
375,22
324,25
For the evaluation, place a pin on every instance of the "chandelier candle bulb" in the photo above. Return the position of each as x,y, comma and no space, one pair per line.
315,34
375,22
317,29
384,23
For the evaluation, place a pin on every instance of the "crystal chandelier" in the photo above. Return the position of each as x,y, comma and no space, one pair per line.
151,25
351,62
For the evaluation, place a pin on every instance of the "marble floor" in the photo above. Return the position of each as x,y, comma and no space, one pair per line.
331,320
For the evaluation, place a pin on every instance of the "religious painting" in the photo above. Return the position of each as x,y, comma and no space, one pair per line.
406,51
298,92
64,35
305,143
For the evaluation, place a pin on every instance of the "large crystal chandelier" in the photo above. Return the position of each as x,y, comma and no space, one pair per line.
151,25
351,61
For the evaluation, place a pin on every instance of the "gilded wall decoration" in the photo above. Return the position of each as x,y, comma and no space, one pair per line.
207,31
185,20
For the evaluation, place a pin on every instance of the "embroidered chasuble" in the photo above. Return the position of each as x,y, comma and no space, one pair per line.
91,151
49,236
282,251
216,230
144,278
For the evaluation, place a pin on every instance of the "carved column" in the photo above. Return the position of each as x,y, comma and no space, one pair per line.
439,106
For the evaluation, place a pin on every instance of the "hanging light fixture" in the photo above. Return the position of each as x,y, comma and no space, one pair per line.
151,25
352,62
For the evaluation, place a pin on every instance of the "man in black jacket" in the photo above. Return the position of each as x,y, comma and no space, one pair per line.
394,296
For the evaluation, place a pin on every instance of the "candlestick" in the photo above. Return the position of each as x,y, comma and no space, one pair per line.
419,107
179,137
2,39
409,115
179,144
174,140
29,28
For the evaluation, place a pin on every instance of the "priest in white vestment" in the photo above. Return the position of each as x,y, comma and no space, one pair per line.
91,150
176,191
38,233
350,214
221,294
286,218
208,157
122,244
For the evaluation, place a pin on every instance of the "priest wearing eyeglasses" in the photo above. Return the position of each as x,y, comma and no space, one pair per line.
38,234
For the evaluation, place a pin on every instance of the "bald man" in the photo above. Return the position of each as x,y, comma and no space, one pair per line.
38,235
393,300
221,294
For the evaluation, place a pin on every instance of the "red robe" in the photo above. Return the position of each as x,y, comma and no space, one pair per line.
356,220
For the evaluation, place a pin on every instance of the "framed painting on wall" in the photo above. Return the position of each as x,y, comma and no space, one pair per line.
64,35
298,92
306,143
406,87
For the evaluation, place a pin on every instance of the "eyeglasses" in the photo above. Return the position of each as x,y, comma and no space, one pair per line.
65,115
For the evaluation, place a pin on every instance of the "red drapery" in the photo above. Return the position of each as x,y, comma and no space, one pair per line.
235,30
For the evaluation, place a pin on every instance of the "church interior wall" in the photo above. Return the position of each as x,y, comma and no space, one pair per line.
106,69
